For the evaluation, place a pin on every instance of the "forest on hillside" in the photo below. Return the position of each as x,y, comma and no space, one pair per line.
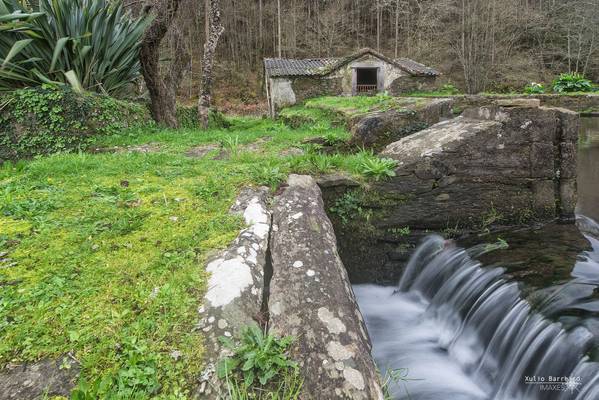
478,45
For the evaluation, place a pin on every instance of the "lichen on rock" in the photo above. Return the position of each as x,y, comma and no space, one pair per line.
235,292
311,299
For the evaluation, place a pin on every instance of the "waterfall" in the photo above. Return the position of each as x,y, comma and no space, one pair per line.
453,329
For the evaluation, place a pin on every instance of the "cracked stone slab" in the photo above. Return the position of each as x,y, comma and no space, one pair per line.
311,299
235,286
43,379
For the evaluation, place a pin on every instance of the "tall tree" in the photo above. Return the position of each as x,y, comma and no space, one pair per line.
279,28
163,85
215,30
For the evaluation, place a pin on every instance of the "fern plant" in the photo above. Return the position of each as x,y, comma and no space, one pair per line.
89,44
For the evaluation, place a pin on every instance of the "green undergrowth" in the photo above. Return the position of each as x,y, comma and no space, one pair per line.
357,105
49,119
336,113
101,254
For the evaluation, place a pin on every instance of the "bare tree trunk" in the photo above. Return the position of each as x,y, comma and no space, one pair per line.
260,35
396,26
279,27
206,19
378,25
216,29
162,88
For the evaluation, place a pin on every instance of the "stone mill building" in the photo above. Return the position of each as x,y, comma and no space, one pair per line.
366,71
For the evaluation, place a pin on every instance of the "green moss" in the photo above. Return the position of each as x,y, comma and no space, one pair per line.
357,105
298,116
109,247
48,119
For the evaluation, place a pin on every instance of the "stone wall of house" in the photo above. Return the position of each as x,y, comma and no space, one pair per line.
281,93
306,87
390,72
407,84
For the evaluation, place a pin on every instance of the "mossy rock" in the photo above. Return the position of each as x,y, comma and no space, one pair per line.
49,119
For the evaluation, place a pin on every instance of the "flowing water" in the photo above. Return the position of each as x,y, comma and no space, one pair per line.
526,326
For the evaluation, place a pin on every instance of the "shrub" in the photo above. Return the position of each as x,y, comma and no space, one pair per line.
188,118
90,44
48,119
572,82
449,88
260,361
534,88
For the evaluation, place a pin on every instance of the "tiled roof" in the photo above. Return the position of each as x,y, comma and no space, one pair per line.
416,68
291,67
322,66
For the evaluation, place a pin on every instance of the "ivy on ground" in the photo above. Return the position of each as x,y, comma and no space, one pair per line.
49,119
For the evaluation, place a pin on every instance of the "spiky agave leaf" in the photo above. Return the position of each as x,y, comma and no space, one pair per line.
91,42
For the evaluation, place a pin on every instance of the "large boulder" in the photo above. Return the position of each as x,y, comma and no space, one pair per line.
312,300
235,293
380,128
516,162
492,166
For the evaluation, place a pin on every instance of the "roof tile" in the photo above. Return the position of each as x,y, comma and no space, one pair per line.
321,66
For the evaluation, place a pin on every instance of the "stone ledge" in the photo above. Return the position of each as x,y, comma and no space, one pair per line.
234,298
311,299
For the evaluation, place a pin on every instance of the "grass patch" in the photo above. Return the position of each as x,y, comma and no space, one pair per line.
102,253
356,105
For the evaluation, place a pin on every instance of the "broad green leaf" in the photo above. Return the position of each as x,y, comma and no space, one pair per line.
249,364
226,366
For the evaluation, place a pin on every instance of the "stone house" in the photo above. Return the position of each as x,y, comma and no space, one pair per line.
289,81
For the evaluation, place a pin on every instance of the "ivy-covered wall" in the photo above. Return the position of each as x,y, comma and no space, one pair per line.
48,119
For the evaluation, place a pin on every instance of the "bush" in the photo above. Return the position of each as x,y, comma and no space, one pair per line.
572,82
449,88
187,116
48,119
534,88
89,44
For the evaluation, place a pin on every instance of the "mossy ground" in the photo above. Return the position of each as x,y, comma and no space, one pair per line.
102,254
358,105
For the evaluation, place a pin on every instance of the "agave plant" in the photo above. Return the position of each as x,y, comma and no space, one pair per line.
89,44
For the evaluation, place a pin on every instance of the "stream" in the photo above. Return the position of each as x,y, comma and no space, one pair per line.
470,322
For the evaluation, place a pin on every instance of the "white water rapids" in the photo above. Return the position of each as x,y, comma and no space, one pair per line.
454,330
